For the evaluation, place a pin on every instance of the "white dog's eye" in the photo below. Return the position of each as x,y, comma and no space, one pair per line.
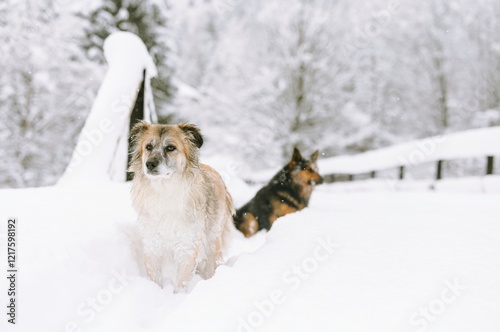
149,147
169,148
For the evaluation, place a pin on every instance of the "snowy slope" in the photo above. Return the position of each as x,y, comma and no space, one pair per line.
390,255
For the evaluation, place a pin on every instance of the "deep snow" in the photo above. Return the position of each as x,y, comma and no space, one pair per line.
350,262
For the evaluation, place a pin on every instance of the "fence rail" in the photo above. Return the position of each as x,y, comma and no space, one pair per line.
476,143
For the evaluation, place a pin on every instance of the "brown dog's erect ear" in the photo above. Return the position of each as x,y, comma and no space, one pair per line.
138,129
296,155
193,133
314,156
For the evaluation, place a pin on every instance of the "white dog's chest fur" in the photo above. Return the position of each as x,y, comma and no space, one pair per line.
167,226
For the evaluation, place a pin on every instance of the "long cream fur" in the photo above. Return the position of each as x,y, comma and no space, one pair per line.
185,219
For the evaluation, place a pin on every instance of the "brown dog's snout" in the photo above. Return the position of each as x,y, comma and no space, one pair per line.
152,163
316,180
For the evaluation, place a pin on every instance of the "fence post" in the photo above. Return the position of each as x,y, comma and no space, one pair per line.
489,165
439,170
401,172
136,115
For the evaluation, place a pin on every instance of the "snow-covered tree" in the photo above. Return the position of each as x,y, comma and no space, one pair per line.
46,90
344,76
257,76
195,25
275,78
482,29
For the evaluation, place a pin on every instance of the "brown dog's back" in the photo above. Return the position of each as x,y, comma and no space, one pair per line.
287,192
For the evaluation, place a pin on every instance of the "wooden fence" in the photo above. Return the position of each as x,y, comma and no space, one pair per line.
478,143
401,170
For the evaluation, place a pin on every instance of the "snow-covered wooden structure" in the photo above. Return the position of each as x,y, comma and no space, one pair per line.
124,97
474,143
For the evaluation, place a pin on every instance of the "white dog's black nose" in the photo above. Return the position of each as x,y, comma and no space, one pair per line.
151,164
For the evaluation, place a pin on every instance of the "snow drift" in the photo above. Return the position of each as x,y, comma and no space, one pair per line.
349,262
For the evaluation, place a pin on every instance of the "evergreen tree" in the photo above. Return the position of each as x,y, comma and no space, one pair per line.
146,19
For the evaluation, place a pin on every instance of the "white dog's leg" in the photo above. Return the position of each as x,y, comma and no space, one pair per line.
187,267
213,255
153,267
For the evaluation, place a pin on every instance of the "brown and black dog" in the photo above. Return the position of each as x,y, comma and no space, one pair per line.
288,191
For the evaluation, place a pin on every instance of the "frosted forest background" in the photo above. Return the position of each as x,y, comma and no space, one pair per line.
257,76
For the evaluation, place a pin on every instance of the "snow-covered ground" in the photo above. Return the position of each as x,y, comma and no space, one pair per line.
376,261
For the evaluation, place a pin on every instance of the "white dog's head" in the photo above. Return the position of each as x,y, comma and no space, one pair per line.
164,150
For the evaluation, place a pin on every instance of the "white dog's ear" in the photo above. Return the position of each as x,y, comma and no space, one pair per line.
193,133
138,129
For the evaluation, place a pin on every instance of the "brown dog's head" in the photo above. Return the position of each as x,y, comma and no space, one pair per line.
164,150
305,171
